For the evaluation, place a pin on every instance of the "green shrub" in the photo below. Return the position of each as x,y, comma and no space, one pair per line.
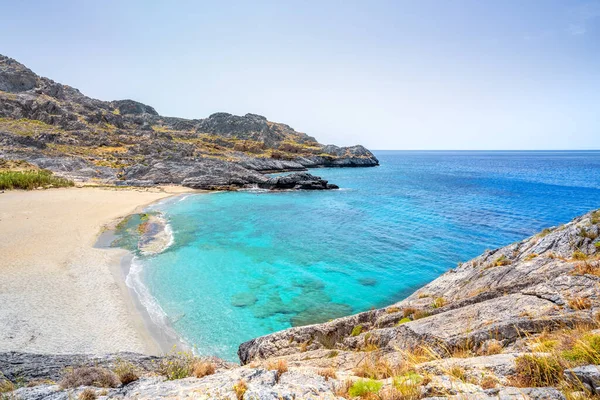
501,261
585,351
579,255
177,365
356,330
28,180
439,302
364,387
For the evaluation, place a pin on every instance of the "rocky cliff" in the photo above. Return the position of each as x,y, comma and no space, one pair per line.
55,126
520,322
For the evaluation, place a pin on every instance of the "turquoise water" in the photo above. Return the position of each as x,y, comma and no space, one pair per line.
246,264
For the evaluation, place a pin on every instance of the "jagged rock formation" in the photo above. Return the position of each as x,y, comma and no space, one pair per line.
520,322
55,126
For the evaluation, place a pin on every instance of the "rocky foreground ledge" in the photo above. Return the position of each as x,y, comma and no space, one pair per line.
520,322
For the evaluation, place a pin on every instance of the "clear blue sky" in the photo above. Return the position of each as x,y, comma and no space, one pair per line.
387,74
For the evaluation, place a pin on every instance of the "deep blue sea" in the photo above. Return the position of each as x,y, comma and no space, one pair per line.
245,264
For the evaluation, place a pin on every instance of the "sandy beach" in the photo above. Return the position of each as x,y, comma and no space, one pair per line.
59,294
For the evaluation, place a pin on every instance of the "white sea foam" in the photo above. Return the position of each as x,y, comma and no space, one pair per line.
155,311
161,241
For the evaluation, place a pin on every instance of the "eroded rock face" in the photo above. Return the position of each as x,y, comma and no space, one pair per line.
41,119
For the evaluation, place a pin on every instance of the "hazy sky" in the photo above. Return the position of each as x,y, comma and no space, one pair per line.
387,74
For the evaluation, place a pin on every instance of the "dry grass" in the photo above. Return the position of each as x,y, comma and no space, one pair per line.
374,367
87,394
488,382
201,369
458,373
328,373
580,303
493,347
579,255
6,385
183,365
392,310
585,350
240,389
280,367
303,347
501,261
407,312
406,387
342,389
89,376
126,372
538,371
438,302
587,268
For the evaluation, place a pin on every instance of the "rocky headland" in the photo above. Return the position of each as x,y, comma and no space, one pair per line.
519,322
124,142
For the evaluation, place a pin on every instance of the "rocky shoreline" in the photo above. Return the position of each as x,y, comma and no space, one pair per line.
124,142
520,322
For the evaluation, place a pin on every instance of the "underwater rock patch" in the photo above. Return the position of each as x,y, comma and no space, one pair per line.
243,299
321,313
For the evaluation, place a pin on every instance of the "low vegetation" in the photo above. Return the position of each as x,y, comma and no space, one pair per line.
240,389
179,365
364,388
29,180
280,367
126,372
88,394
328,373
89,376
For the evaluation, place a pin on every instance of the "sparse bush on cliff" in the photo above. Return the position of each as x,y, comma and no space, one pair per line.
279,366
126,372
439,302
585,350
177,365
356,330
28,180
579,255
328,373
6,385
538,371
87,394
240,389
183,364
89,376
203,368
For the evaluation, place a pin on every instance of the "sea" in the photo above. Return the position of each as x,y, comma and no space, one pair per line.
248,263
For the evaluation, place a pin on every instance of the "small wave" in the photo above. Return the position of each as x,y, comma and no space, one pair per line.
155,311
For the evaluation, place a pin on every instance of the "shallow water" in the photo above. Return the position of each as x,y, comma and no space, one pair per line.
246,264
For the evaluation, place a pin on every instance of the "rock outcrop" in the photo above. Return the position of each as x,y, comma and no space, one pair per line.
55,126
520,322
